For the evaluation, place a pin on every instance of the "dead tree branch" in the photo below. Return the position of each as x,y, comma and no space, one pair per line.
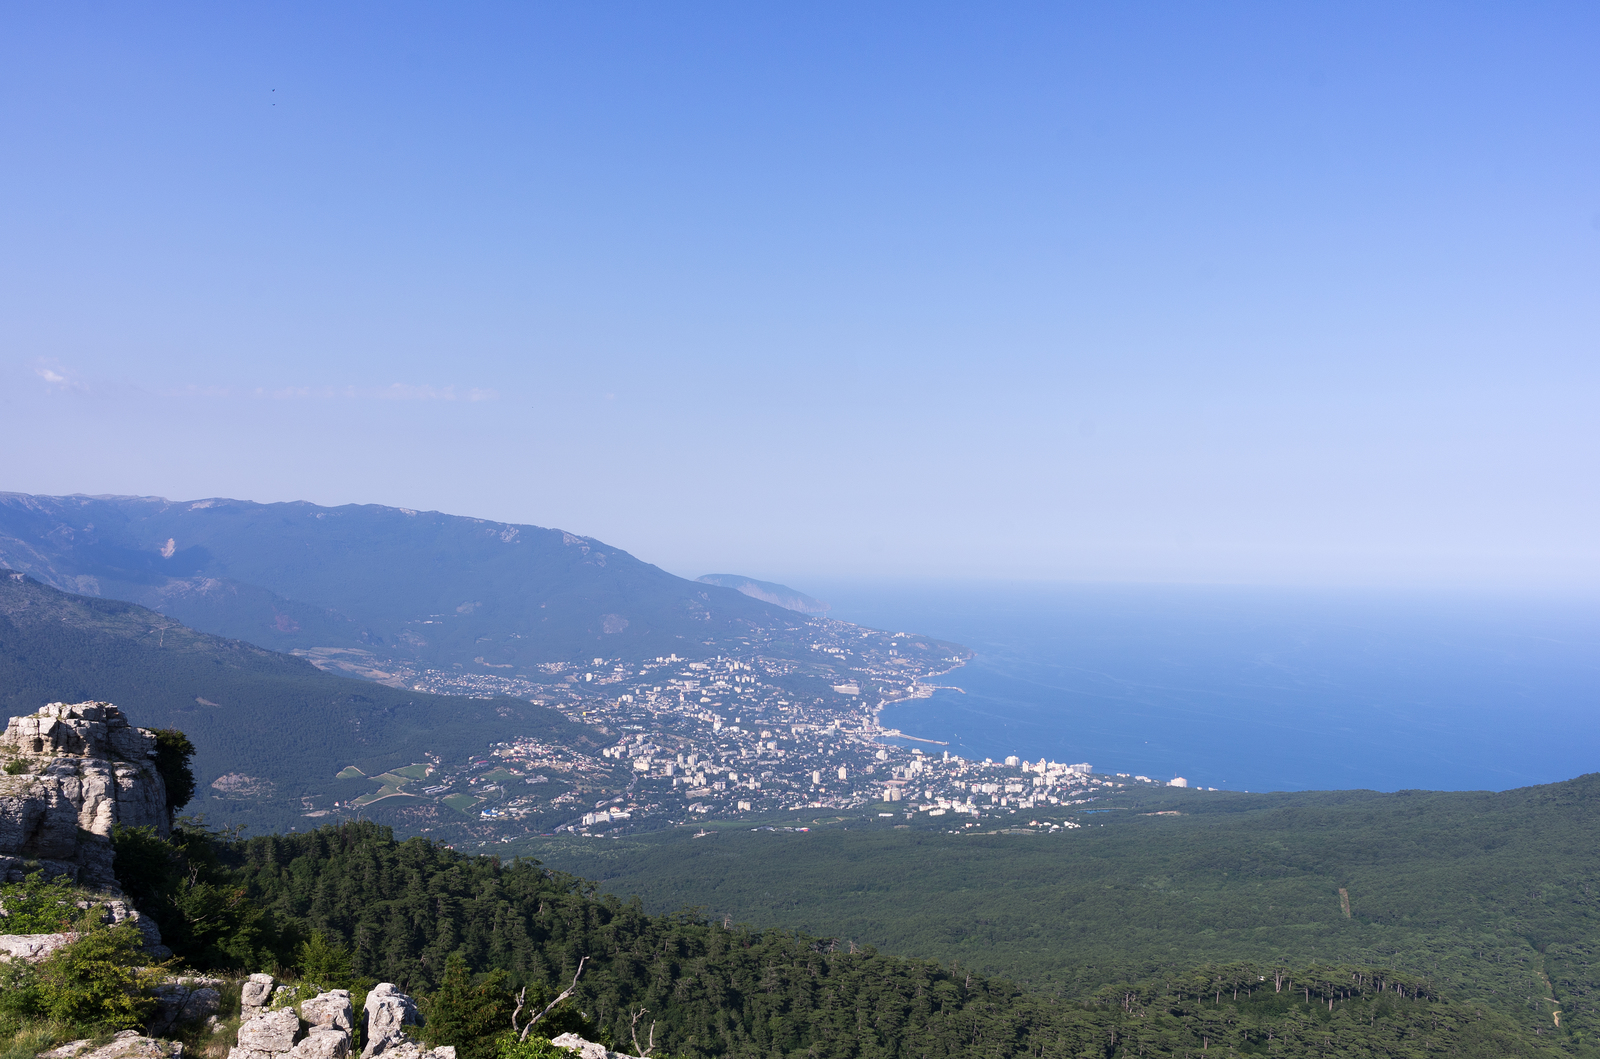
523,1033
633,1028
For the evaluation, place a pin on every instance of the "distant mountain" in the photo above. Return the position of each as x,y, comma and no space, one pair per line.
441,590
272,730
768,592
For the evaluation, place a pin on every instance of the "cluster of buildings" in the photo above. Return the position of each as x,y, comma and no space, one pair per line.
760,728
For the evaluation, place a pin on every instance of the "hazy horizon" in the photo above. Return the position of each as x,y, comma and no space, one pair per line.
1239,294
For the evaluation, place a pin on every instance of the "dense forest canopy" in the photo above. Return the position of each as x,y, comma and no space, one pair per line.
715,988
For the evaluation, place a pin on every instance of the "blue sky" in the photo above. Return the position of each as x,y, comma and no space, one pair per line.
1283,294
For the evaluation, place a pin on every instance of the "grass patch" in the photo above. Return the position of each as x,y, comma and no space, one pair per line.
35,1037
349,772
411,772
461,803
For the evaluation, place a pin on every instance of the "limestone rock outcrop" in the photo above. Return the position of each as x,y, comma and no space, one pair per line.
268,1033
129,1044
31,948
72,772
588,1049
330,1010
388,1012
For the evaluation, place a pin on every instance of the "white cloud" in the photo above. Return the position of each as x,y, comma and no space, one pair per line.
60,379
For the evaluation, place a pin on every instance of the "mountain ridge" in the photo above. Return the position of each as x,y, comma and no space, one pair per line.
424,586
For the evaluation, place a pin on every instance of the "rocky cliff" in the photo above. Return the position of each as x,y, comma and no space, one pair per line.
70,773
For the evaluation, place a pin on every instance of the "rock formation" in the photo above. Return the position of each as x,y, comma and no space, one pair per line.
71,772
322,1027
589,1049
129,1044
388,1012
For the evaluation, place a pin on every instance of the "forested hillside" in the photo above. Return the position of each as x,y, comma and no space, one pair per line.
1494,896
716,988
279,725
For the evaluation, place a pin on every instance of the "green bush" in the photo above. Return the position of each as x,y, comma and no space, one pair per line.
95,981
36,906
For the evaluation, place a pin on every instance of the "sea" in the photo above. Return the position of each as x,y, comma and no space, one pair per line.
1256,689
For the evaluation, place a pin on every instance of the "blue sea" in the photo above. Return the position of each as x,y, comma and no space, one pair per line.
1258,689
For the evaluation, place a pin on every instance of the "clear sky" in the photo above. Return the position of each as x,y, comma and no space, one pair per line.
1275,293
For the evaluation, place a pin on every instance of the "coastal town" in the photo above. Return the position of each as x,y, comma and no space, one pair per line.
761,729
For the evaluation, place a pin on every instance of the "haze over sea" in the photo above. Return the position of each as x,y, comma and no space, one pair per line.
1258,689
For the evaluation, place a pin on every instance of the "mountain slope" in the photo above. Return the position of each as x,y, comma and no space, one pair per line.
437,589
280,726
768,591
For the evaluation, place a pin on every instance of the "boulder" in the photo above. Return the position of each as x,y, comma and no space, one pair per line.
387,1011
323,1042
330,1010
270,1031
256,993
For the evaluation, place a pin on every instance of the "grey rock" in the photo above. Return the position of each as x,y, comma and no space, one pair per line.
271,1031
86,769
588,1049
409,1049
130,1044
323,1043
184,1000
387,1011
68,1050
256,992
31,948
331,1009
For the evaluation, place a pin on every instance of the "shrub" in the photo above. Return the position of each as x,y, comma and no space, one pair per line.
93,981
36,906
